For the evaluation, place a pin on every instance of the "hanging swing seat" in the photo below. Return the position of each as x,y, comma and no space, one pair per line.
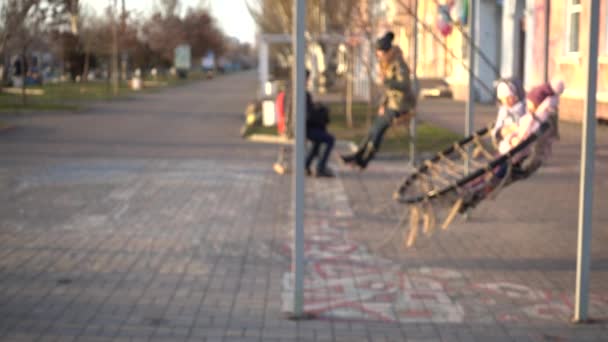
444,186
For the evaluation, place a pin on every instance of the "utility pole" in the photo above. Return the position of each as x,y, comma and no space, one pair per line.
415,86
546,42
123,31
470,107
468,128
115,83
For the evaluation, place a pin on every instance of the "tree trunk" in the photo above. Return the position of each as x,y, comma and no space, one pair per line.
85,69
370,94
349,89
23,73
5,69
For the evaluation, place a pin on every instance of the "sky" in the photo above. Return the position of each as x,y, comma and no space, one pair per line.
232,15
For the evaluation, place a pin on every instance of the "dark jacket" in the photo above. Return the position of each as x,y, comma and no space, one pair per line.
317,115
398,93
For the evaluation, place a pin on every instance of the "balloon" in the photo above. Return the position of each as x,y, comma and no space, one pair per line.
460,11
444,21
444,13
444,28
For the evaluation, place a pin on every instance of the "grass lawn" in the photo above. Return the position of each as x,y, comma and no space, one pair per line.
4,126
429,138
73,96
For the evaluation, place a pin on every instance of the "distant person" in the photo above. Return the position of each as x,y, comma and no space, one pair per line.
284,128
317,119
399,99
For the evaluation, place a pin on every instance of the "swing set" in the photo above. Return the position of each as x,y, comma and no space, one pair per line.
443,187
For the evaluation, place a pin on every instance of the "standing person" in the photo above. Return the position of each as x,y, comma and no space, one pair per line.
399,99
317,119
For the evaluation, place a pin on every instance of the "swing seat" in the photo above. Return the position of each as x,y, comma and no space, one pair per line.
443,187
404,119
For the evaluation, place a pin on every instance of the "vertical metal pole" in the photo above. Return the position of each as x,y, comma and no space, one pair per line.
415,66
114,49
349,87
263,65
583,259
123,30
546,42
298,162
468,128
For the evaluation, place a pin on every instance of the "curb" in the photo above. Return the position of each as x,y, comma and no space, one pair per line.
278,140
269,139
344,144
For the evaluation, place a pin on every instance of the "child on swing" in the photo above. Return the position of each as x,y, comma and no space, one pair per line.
518,117
541,105
511,97
399,100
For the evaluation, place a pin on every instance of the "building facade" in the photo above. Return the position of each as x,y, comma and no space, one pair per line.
446,56
525,37
512,36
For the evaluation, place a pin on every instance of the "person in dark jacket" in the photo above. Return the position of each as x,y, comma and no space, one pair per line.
399,99
317,119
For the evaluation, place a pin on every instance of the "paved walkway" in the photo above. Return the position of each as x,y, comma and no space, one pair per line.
149,219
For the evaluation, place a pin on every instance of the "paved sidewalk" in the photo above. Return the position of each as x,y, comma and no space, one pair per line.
151,220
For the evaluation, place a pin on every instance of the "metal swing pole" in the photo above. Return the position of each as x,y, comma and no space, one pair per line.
299,109
583,259
468,128
546,41
415,74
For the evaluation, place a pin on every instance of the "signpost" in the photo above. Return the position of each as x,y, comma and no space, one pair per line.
183,60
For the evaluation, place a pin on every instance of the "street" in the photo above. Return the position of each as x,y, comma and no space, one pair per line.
150,219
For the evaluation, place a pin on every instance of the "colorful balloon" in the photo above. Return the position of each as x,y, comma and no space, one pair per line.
444,20
444,28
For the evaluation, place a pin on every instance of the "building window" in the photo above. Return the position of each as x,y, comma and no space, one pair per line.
573,23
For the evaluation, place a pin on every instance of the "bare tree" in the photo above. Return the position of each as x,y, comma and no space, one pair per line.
273,16
164,31
202,33
326,17
13,13
89,29
169,8
364,23
163,35
25,34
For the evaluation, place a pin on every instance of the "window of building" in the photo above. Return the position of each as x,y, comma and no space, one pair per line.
573,23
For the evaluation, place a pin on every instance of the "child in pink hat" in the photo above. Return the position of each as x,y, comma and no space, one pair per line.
542,105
